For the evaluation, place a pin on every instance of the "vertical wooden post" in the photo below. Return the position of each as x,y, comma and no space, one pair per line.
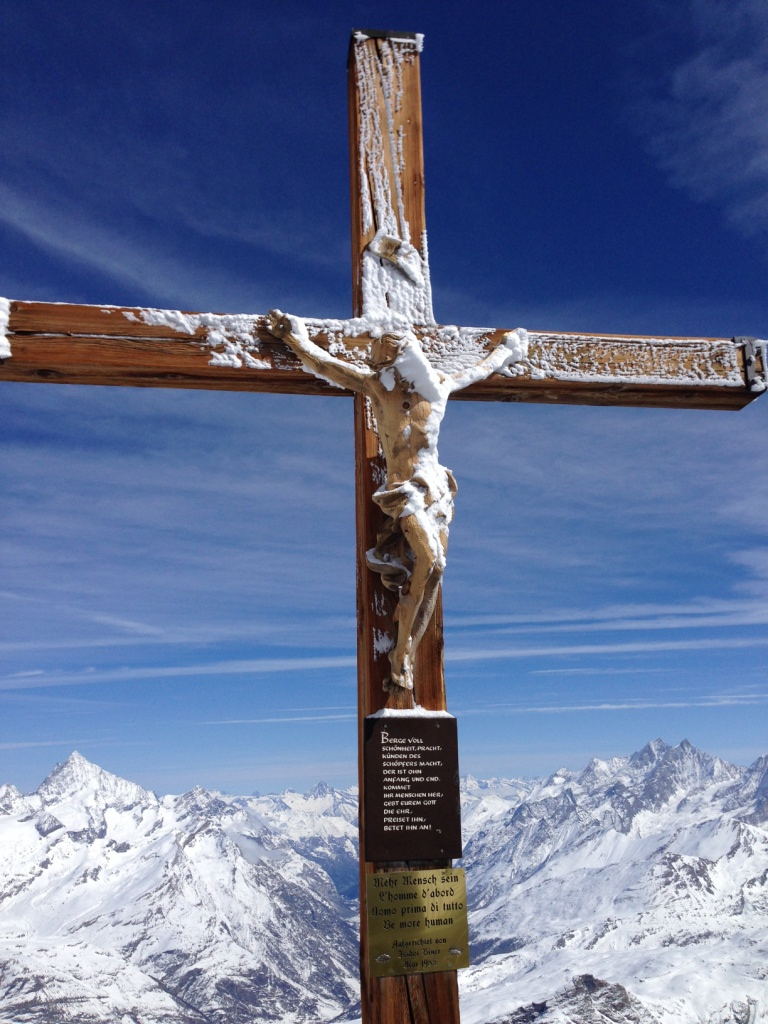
387,184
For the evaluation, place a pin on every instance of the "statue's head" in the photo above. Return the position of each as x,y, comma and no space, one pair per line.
386,349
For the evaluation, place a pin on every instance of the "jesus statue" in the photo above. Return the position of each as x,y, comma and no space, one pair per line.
408,397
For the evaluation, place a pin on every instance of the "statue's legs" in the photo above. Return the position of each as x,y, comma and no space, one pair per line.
428,546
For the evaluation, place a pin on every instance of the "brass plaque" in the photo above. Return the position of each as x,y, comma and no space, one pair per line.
417,921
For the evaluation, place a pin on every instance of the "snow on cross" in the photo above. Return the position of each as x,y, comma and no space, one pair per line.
60,343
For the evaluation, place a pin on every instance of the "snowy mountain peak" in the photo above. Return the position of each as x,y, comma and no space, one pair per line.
11,800
71,776
199,802
650,753
78,792
759,773
660,774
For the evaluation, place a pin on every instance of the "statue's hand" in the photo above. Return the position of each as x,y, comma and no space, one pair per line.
290,329
278,323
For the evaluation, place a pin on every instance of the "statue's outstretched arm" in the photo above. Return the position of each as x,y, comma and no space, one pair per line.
512,348
293,331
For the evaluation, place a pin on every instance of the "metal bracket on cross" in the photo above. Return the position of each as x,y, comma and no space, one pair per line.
756,379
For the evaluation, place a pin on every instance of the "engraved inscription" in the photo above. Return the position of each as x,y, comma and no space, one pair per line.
406,784
417,921
412,798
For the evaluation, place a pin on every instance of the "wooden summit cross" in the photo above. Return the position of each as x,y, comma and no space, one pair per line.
75,344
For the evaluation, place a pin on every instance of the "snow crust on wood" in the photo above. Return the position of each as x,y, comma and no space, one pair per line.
688,361
410,38
417,711
588,359
399,279
454,350
235,342
321,357
382,642
449,349
762,348
5,313
232,335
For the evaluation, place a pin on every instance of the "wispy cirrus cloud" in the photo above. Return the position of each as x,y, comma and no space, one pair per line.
706,119
638,704
704,701
103,243
40,743
267,666
638,647
246,666
284,719
691,612
706,614
632,618
277,633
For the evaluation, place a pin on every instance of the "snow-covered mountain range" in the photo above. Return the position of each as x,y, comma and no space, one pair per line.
119,906
635,891
648,873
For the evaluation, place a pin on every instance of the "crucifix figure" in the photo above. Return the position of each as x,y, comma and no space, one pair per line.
390,353
408,397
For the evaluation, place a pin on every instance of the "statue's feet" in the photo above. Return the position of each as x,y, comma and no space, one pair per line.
398,697
395,682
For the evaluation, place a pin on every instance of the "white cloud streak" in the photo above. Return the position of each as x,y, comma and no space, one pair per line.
712,701
719,701
249,666
67,228
709,129
41,743
639,647
265,666
704,614
283,719
60,232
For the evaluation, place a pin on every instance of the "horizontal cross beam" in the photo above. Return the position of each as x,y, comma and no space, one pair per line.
111,345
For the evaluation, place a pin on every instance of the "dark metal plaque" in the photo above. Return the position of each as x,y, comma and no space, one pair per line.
417,921
412,807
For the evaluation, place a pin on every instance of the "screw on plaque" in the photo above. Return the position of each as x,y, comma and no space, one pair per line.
455,952
382,958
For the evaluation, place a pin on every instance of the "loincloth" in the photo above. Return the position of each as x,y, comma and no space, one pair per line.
430,498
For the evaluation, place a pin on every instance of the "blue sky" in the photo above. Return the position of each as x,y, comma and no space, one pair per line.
176,568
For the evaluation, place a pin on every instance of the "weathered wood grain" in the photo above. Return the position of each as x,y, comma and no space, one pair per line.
76,344
403,1000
